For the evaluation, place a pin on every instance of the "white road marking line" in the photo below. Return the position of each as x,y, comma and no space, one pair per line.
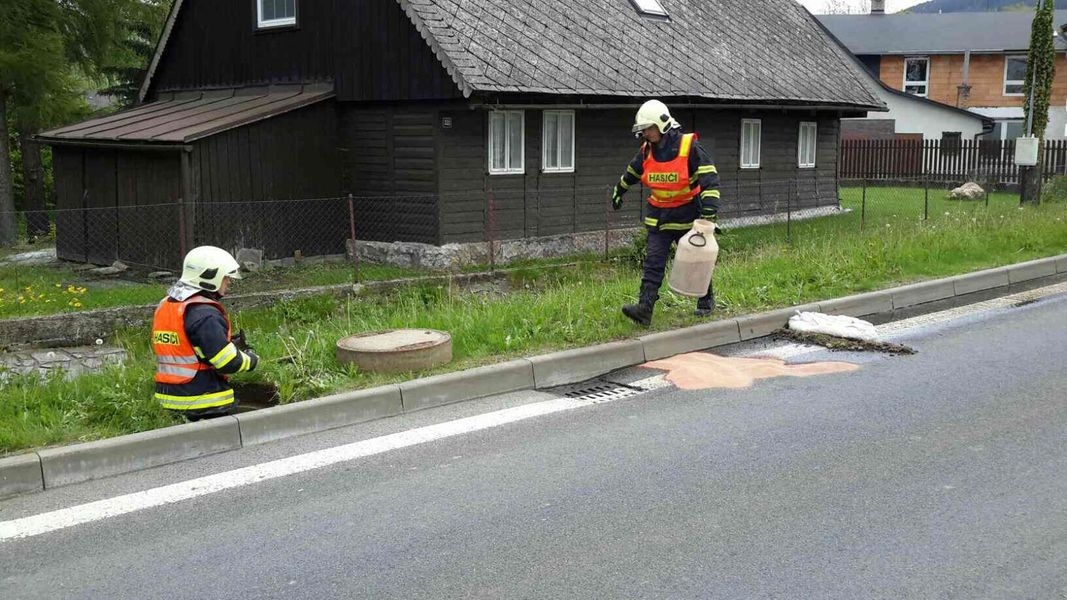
120,505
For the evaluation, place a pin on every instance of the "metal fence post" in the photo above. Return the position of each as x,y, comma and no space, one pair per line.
490,226
353,245
863,205
607,224
789,209
181,228
926,199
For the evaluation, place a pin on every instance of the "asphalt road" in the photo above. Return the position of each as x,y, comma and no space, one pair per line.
936,475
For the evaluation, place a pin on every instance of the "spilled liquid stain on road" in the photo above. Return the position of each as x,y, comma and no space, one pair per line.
702,371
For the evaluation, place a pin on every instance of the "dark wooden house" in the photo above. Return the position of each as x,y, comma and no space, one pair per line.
430,111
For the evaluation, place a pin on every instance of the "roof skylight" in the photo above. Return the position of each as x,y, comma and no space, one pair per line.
650,7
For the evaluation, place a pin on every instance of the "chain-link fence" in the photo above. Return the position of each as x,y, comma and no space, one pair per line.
514,220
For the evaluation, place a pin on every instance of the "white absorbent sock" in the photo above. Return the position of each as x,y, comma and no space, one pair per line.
836,325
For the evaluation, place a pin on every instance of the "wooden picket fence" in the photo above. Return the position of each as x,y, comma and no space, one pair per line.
991,161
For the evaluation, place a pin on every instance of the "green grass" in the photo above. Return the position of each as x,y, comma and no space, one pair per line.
543,309
50,289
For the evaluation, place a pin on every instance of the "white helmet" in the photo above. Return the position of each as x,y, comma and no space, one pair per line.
206,266
652,113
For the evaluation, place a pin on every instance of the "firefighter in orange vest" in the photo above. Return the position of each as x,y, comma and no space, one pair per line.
191,337
684,186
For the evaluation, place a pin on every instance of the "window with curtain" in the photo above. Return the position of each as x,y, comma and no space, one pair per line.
506,141
558,142
750,143
806,144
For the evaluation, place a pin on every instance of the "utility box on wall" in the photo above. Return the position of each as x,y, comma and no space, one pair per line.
1026,151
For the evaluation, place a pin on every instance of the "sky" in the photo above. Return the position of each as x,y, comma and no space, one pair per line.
819,6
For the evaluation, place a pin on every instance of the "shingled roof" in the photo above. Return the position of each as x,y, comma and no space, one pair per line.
729,51
740,51
947,33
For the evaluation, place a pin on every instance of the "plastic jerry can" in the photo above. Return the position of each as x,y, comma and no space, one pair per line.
694,261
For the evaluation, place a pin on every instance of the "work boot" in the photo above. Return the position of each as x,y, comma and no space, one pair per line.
641,313
706,304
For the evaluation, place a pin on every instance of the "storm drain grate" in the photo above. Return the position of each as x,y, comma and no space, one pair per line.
603,392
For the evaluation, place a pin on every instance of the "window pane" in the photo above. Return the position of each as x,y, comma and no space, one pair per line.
274,10
1016,69
1014,129
756,127
497,141
552,141
515,140
915,70
746,144
918,90
566,137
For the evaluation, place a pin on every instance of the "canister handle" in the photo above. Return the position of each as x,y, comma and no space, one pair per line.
703,240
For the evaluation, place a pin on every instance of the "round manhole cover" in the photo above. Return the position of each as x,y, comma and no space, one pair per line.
396,350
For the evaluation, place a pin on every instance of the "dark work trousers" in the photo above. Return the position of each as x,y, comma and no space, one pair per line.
655,264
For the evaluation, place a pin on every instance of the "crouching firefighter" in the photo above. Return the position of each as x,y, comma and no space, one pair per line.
684,185
192,340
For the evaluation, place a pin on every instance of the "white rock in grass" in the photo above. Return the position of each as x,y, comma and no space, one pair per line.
967,191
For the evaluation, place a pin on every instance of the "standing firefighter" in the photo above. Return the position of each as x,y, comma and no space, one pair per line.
685,186
191,338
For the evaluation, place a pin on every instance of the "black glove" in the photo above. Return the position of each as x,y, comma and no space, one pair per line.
240,342
254,360
616,197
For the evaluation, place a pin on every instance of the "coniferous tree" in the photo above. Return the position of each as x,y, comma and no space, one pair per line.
49,49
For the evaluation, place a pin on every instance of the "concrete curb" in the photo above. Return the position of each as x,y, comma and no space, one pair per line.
20,474
573,366
980,281
70,464
320,414
93,460
479,382
709,335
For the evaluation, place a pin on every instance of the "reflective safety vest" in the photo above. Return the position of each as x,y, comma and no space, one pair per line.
177,361
670,181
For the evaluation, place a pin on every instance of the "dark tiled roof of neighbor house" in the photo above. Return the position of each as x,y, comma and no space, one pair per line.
946,33
737,51
188,116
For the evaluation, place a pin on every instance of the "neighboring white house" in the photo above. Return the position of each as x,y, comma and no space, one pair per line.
911,114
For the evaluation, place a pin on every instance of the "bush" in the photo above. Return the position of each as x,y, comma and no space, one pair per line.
1055,190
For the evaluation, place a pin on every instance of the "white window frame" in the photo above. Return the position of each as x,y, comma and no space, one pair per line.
1018,82
269,23
807,145
508,168
650,7
747,127
924,83
560,142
